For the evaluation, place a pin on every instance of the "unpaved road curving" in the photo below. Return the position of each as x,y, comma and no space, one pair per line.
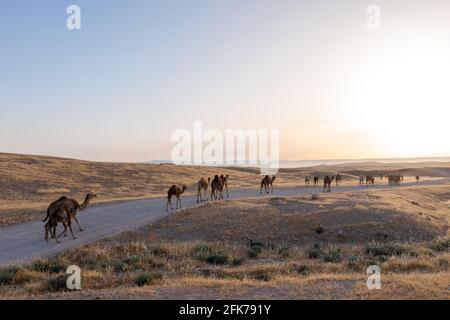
24,242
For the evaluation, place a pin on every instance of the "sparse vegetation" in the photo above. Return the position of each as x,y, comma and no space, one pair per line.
56,283
148,278
288,252
388,249
315,251
440,244
7,275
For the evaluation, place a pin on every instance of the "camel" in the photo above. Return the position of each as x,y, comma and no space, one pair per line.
370,180
267,182
56,216
307,180
177,192
202,185
224,180
394,180
417,178
338,180
327,183
316,181
361,180
70,206
216,188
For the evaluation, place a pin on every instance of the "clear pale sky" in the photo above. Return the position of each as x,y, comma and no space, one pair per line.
137,70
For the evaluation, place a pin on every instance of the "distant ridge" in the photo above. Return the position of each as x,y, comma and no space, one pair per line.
331,162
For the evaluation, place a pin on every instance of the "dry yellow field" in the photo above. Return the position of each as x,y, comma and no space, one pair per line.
270,248
29,183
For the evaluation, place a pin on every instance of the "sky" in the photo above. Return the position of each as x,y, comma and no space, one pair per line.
136,71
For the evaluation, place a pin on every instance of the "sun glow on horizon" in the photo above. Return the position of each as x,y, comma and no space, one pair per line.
403,98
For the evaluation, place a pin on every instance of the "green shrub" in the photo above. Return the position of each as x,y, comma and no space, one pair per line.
332,255
217,259
384,249
56,283
302,269
119,267
440,244
160,251
148,278
314,252
320,230
253,252
237,261
285,251
262,275
7,275
46,265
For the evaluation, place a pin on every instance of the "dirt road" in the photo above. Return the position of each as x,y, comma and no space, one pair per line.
24,242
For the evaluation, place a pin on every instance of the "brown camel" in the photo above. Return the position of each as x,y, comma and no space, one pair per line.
216,188
177,192
417,178
70,206
370,181
327,183
224,180
361,180
267,182
202,186
316,181
307,180
338,180
58,215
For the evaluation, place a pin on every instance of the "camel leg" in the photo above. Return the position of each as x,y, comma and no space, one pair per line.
169,201
70,228
260,191
76,220
47,228
64,231
53,231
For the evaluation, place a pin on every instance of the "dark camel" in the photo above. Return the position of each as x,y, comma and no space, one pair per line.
267,182
327,183
202,186
177,192
70,206
224,180
216,188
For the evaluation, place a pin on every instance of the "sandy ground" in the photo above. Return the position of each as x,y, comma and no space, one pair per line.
29,183
289,245
24,242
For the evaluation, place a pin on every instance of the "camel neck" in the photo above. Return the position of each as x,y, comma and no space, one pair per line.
85,203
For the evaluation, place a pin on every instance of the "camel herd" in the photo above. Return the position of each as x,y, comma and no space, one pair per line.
64,210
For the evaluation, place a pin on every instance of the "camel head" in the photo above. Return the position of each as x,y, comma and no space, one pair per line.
182,190
90,196
273,178
209,180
